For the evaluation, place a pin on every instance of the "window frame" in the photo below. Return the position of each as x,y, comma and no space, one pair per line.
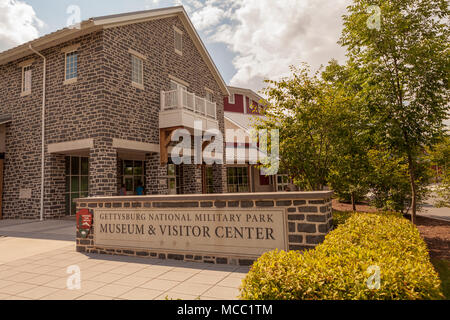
24,92
135,164
232,99
236,186
211,93
135,57
73,79
178,32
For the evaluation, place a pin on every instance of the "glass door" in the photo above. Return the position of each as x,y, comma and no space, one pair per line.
133,175
77,181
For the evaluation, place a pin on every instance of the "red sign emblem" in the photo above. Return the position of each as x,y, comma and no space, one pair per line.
84,222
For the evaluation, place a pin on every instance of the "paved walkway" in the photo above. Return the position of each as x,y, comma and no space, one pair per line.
35,256
429,209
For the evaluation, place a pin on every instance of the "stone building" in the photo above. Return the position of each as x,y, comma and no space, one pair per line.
115,89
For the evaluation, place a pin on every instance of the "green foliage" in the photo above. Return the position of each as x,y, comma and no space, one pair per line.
404,64
389,181
303,109
337,268
351,137
340,217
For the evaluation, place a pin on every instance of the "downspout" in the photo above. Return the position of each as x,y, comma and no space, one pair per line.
44,73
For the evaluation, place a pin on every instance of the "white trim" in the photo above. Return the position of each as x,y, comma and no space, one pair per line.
26,63
70,81
232,101
178,30
137,54
71,48
68,146
178,80
135,146
137,85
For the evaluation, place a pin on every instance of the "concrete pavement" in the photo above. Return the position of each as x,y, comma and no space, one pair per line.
35,257
430,210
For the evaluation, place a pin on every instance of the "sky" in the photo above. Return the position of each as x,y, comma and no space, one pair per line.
249,40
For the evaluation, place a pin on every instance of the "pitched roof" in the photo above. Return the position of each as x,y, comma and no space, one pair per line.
99,23
250,93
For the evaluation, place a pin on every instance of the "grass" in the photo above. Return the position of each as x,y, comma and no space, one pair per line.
443,268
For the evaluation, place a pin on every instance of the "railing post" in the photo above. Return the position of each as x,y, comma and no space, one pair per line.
180,98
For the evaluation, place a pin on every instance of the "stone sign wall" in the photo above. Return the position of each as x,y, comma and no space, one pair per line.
219,228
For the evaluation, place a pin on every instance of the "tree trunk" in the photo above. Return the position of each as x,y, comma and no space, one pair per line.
412,181
353,202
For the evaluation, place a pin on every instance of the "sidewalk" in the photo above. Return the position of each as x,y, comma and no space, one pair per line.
429,210
33,265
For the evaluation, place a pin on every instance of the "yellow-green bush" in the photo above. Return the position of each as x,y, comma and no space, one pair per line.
337,268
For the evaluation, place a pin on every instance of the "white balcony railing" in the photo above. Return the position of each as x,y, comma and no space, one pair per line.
181,99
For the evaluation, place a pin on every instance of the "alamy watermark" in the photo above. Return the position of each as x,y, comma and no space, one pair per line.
374,21
74,19
374,280
74,280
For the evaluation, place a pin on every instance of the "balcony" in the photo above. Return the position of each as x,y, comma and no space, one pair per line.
180,108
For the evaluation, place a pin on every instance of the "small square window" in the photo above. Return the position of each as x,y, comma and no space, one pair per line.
137,70
178,41
26,79
71,65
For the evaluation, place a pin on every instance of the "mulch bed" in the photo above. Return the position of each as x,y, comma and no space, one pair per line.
436,233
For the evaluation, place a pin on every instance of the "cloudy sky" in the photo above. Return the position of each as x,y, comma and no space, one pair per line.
249,40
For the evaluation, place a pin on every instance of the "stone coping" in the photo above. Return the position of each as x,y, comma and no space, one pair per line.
216,196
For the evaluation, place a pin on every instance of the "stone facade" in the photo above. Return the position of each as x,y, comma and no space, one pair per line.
308,218
101,105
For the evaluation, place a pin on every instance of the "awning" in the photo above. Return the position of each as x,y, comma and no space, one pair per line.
5,118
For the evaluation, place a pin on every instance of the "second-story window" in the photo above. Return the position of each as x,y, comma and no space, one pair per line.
178,41
137,70
209,96
71,65
231,99
26,79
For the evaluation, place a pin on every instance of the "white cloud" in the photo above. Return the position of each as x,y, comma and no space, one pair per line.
18,23
268,36
207,17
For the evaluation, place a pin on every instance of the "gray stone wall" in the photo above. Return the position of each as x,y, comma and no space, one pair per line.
102,105
308,217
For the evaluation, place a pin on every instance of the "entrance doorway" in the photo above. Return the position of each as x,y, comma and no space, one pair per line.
133,175
77,181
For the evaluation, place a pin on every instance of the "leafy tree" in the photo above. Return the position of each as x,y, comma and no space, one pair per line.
406,62
389,181
302,109
348,173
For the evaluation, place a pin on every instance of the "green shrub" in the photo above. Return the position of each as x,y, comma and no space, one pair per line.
337,268
340,217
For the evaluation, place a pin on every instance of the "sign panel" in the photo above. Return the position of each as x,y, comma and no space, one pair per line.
240,232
